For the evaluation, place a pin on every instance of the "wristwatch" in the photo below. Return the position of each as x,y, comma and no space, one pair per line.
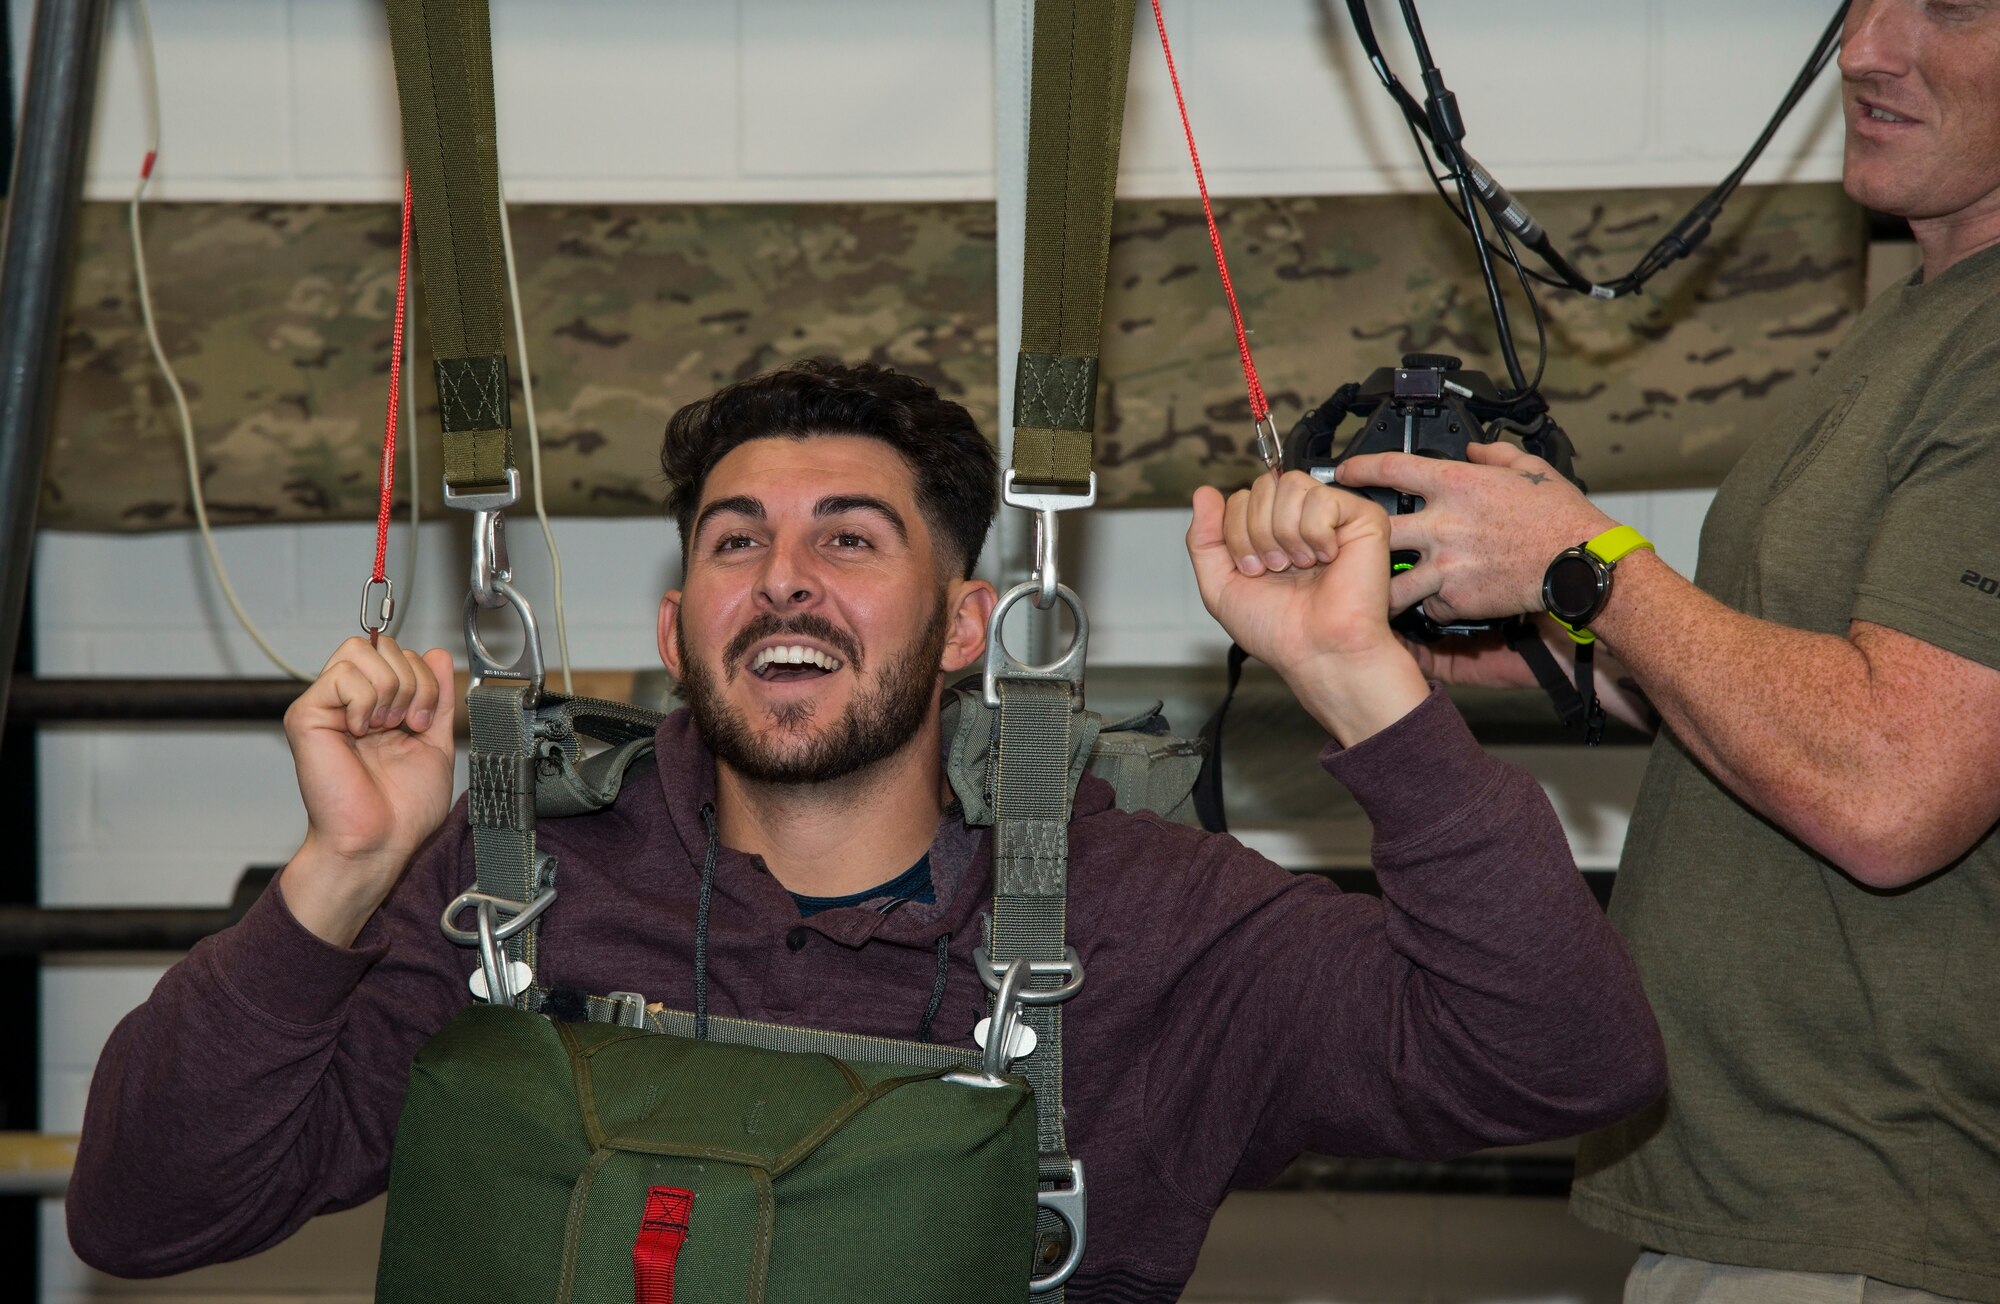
1577,583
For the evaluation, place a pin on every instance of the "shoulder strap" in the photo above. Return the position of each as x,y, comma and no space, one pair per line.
1076,113
443,53
1076,110
444,81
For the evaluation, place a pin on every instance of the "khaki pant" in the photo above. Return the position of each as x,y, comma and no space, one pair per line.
1673,1279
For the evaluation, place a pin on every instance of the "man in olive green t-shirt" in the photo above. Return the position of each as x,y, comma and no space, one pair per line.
1811,881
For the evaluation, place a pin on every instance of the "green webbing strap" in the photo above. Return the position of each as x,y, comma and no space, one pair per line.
500,802
444,80
1034,735
1076,110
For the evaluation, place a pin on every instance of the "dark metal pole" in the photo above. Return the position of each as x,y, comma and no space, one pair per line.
34,274
49,701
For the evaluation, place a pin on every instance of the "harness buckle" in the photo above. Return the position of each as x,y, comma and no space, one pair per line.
1068,1205
1002,664
631,1007
491,500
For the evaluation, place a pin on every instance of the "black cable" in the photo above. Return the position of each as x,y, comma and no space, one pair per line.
1446,130
1508,252
1534,311
1688,233
1451,206
1681,239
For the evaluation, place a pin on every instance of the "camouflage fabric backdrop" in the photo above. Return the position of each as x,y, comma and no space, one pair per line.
278,317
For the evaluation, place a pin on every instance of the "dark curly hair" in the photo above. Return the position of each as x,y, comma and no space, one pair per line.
957,472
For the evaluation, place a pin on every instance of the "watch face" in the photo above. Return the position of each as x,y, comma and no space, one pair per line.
1571,587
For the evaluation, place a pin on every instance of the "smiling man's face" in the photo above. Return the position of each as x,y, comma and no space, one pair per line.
1921,90
817,619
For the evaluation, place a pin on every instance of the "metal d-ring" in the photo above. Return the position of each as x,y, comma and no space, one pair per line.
1001,664
483,665
1069,968
1067,1204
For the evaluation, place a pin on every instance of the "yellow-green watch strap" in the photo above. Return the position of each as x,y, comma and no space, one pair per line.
1615,542
1576,635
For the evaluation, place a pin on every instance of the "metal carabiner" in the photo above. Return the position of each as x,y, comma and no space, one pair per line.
383,611
489,542
1273,453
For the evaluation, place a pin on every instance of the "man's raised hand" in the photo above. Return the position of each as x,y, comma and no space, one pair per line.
1297,572
372,742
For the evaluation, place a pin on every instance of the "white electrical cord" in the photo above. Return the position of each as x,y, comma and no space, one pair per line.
149,81
406,419
534,438
149,77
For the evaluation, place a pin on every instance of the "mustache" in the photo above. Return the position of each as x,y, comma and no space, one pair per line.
767,625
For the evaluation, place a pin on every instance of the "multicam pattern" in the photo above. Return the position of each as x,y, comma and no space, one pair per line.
278,317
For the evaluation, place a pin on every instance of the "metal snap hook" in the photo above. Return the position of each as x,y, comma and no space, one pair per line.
1046,579
490,566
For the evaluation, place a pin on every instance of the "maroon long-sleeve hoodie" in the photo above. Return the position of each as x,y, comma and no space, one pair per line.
1234,1014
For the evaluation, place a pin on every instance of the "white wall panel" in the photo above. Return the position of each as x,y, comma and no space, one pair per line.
685,100
225,74
894,88
615,88
1282,98
1715,67
346,133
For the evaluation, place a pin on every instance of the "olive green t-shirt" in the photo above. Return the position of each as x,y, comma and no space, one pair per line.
1833,1051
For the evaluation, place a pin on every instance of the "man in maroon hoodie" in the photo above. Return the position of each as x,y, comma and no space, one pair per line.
1234,1014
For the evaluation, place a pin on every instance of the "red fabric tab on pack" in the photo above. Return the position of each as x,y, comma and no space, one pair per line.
663,1229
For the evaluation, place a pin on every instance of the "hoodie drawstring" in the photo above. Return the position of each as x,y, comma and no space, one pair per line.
937,987
701,924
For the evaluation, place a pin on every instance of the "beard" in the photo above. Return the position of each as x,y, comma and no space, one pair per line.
878,722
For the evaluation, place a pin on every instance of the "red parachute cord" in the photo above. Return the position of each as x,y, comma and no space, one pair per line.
1259,408
379,579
